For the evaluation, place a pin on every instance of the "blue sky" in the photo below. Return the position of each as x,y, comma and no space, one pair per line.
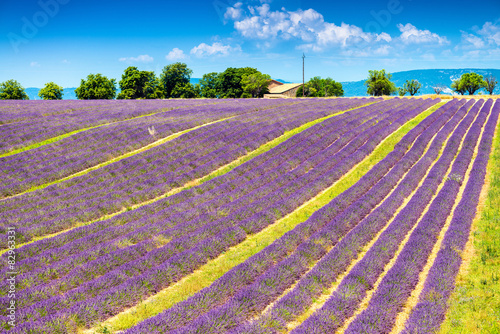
65,40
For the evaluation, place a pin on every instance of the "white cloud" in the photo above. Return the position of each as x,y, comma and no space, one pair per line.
483,43
139,59
65,61
34,64
216,49
411,35
470,41
491,33
175,54
384,37
307,26
234,13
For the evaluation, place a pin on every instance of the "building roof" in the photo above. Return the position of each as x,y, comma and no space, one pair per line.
284,88
276,82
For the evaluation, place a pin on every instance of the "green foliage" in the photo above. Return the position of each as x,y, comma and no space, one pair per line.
96,87
412,87
174,80
137,84
12,90
491,83
308,91
184,91
379,83
401,92
229,82
51,91
469,82
317,87
208,85
458,87
255,85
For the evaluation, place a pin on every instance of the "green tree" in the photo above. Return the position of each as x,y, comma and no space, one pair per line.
491,83
174,79
332,87
318,87
469,82
208,85
402,91
458,87
412,87
96,87
12,90
229,82
255,84
379,83
137,84
472,82
51,91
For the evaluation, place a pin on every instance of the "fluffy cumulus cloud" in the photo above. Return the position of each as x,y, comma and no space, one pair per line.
176,54
411,35
138,59
307,26
216,49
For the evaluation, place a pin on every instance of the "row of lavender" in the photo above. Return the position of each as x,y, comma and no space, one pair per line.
133,288
25,124
401,279
430,310
362,278
88,148
229,302
153,172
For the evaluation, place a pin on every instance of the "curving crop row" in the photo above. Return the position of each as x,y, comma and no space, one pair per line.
351,291
397,285
429,313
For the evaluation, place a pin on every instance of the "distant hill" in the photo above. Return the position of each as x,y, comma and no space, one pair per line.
428,79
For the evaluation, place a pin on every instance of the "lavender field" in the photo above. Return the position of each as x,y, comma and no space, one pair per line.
345,215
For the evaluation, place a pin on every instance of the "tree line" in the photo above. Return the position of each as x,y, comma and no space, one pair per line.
246,82
173,82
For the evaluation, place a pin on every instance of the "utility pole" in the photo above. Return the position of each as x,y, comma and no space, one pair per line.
303,83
